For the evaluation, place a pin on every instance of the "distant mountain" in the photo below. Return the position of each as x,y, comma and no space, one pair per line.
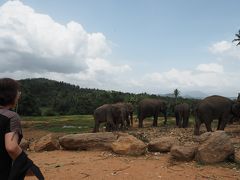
188,95
171,95
195,94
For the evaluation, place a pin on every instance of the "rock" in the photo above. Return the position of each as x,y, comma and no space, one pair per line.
203,137
128,145
237,156
215,148
162,144
46,143
183,153
235,140
88,141
24,144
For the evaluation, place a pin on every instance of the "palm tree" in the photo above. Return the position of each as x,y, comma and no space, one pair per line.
176,93
238,38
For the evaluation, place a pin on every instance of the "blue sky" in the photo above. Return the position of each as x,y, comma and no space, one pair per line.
149,46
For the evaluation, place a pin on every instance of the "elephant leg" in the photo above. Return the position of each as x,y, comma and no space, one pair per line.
224,122
219,122
140,122
108,127
177,119
180,123
128,121
208,126
155,120
186,122
124,124
197,126
113,126
165,119
131,118
231,121
96,127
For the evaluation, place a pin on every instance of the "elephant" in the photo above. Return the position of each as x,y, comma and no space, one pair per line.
111,114
129,110
120,115
215,107
151,107
182,112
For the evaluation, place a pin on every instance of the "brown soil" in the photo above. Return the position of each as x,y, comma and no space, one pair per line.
74,165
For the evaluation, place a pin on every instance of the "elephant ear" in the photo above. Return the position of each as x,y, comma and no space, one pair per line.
236,109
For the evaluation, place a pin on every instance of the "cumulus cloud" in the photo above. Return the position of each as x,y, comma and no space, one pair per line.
34,42
34,45
220,47
226,50
209,78
212,67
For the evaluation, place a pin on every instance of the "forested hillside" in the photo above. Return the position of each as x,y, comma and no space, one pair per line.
47,97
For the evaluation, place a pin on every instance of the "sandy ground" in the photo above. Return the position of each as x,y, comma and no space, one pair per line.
64,165
74,165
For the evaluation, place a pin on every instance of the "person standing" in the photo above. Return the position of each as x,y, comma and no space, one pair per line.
14,163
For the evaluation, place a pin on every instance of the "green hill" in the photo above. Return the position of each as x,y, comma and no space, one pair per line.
48,97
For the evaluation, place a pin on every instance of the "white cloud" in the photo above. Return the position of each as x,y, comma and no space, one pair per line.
34,42
204,78
226,50
221,47
212,67
33,45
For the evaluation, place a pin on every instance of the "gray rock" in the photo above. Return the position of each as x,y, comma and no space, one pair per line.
183,153
46,143
217,147
237,156
88,141
162,144
128,145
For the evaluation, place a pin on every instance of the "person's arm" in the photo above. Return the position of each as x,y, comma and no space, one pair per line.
11,145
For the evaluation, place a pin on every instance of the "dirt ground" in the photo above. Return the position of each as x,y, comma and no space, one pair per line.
74,165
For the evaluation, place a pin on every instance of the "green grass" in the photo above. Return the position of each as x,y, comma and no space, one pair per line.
73,123
77,123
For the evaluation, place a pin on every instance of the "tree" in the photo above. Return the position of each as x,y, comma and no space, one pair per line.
238,38
28,105
176,93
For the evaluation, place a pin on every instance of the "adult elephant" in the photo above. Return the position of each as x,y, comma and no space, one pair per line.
182,112
215,107
120,115
111,114
127,111
151,107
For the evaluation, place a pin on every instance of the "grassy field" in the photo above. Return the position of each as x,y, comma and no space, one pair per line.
76,123
67,124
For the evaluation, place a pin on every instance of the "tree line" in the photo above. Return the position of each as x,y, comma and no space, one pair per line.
48,97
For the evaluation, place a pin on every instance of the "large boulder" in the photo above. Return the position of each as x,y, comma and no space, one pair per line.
46,143
183,153
162,144
88,141
216,147
128,145
237,156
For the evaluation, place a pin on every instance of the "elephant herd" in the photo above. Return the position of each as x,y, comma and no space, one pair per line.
120,115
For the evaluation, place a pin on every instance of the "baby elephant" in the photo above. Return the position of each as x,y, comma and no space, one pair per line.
182,112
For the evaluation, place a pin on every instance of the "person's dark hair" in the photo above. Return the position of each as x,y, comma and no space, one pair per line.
8,91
